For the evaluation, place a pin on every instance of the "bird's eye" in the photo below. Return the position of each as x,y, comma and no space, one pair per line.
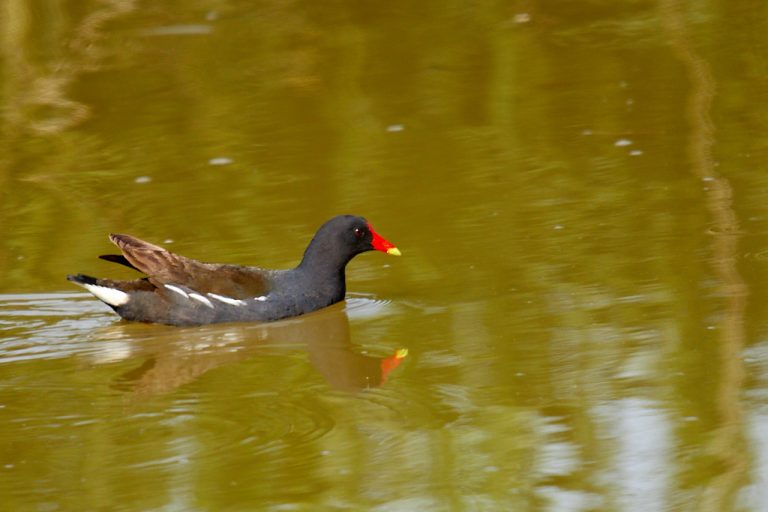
359,232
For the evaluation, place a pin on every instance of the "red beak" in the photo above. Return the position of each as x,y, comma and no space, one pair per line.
380,244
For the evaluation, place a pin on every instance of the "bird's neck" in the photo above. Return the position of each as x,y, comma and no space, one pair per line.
323,269
324,259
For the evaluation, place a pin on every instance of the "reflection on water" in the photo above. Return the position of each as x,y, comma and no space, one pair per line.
586,420
152,369
175,357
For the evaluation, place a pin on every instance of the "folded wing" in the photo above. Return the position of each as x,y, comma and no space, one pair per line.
164,267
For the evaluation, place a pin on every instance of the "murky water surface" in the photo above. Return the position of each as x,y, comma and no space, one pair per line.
579,191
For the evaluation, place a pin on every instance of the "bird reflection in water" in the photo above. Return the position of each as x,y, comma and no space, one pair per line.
175,357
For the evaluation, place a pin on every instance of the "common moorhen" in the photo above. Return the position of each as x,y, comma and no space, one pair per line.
183,291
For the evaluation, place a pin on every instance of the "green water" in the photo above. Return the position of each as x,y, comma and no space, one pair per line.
579,191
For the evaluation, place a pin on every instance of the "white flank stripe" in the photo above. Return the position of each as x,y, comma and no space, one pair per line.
228,300
111,296
177,290
260,299
200,298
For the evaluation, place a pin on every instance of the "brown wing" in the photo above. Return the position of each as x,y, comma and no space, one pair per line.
165,267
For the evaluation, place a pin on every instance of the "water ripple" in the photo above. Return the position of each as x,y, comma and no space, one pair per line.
47,326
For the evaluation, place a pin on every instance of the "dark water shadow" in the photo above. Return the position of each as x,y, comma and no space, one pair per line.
173,357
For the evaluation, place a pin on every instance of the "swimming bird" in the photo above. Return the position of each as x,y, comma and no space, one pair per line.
182,291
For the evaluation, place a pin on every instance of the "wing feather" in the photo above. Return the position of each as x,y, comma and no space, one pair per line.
164,267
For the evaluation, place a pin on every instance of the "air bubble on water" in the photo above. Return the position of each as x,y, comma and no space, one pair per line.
522,17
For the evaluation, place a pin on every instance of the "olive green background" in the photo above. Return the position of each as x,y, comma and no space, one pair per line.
579,190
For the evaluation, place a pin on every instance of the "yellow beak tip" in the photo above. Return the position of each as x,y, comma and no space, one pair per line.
394,251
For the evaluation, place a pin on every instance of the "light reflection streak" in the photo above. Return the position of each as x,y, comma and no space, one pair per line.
641,472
